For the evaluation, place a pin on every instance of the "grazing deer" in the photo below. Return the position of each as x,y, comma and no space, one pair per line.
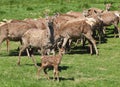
73,29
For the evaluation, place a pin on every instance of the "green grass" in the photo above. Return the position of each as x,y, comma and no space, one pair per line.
21,9
78,69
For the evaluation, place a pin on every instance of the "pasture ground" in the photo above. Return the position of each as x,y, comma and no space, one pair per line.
77,69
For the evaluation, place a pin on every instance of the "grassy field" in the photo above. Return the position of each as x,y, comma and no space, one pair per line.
21,9
78,68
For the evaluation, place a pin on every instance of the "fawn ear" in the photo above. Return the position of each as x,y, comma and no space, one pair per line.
95,12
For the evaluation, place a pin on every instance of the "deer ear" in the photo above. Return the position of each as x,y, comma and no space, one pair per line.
102,11
95,11
89,10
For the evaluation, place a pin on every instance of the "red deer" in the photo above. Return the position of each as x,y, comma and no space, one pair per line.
76,14
60,20
97,25
54,61
16,28
74,29
108,18
108,6
39,38
91,11
13,30
4,21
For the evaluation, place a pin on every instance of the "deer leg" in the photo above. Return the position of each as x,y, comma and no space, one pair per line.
77,42
28,54
119,32
43,51
99,36
104,30
91,50
68,44
20,52
54,74
57,73
64,42
116,29
7,42
34,60
84,41
46,73
2,38
38,72
90,38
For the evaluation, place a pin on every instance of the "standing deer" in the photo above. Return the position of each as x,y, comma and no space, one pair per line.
54,61
13,30
73,29
108,18
39,38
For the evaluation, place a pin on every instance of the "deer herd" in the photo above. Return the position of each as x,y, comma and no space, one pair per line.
57,32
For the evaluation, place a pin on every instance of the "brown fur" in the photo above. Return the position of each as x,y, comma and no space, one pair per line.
16,28
91,11
13,30
39,38
61,19
76,14
39,23
108,6
108,18
74,30
54,61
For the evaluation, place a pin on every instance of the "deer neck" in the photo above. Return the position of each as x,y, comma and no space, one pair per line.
59,58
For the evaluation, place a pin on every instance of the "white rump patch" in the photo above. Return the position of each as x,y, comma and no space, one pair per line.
117,14
91,21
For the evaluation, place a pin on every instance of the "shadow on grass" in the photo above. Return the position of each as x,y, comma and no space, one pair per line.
63,78
60,68
24,53
79,50
50,67
110,33
15,52
60,79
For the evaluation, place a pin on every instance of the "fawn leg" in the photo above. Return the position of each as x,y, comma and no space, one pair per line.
38,72
46,73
